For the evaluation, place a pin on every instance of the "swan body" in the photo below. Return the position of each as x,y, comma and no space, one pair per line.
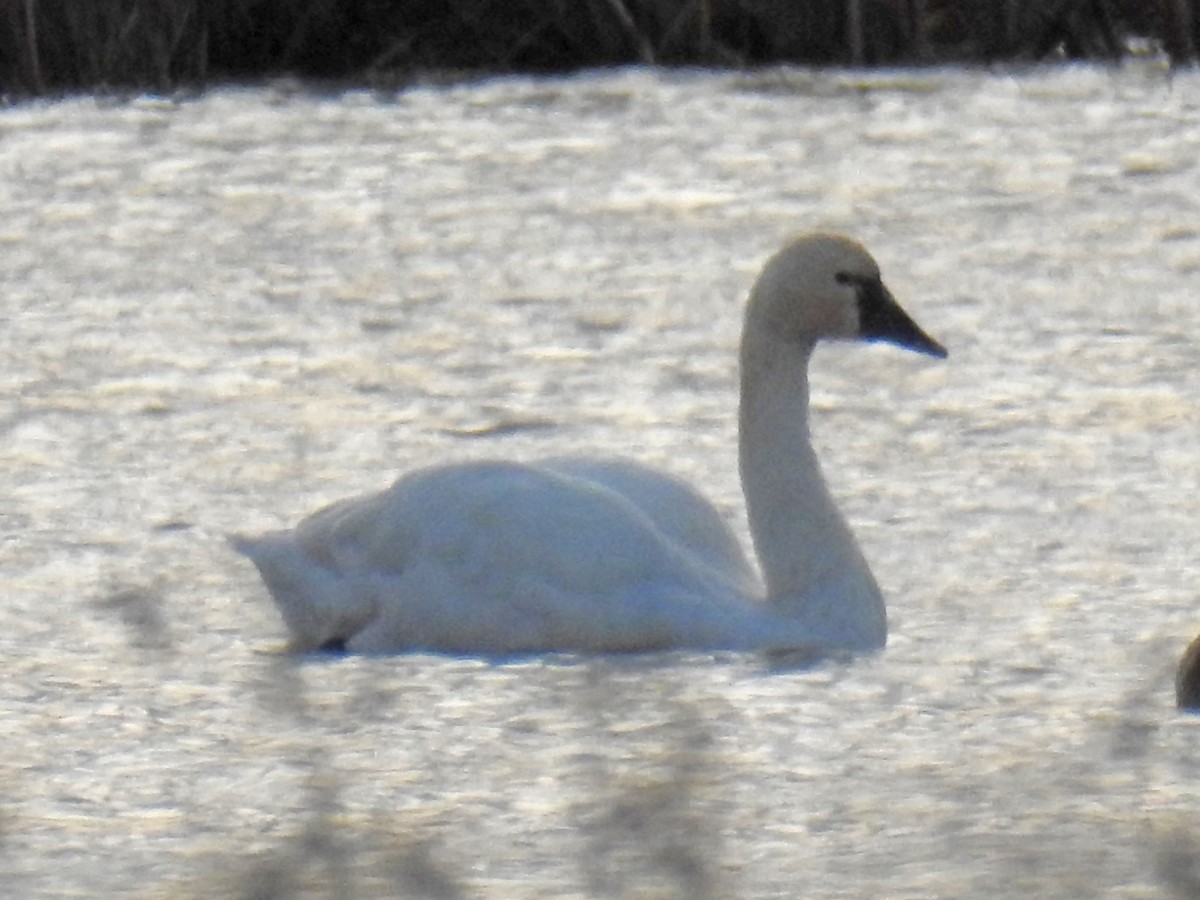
605,555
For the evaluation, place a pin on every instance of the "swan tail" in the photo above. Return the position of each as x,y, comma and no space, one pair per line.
313,600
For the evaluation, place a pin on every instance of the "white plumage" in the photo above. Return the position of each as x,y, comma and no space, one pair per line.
604,554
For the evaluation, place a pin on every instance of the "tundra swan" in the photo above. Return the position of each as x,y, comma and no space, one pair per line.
605,555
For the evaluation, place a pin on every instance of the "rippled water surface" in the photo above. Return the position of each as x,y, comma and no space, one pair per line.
221,314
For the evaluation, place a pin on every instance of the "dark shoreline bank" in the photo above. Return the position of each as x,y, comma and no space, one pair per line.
53,47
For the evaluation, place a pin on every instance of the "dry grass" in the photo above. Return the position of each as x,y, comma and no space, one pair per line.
54,46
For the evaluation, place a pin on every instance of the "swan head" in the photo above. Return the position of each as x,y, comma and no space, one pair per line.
824,286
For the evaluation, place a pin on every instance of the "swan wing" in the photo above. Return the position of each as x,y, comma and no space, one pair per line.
676,509
504,558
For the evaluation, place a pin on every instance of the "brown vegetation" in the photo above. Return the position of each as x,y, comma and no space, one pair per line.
1187,678
49,46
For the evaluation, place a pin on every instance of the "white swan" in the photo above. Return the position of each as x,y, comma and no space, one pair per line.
606,555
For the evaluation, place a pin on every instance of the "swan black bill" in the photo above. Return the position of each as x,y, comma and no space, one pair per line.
881,318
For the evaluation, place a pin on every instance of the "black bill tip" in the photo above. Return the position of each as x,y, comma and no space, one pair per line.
881,318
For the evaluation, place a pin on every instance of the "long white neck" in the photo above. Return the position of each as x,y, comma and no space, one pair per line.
813,568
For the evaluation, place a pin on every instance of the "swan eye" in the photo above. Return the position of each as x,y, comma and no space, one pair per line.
842,278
